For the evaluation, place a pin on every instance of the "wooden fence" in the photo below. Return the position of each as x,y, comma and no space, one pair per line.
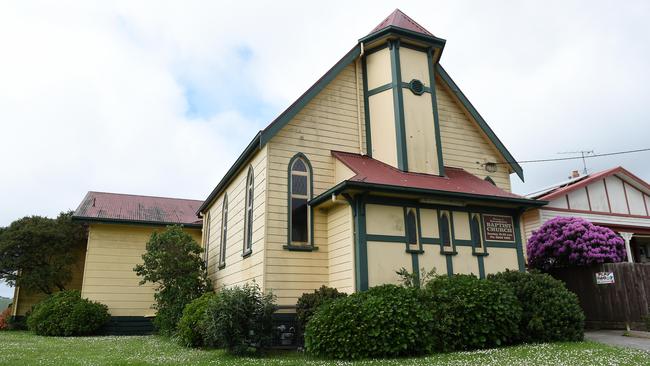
612,305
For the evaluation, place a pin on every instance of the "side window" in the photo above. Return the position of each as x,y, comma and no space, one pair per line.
206,239
299,195
445,232
248,212
412,235
477,238
224,232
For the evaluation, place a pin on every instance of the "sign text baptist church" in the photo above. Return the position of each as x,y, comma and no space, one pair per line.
498,228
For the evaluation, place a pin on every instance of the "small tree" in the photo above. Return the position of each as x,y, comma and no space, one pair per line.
36,253
173,263
572,241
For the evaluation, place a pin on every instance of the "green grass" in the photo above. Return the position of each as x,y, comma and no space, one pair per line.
23,348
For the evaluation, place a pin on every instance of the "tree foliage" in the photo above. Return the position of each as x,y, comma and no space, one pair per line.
173,264
36,253
572,241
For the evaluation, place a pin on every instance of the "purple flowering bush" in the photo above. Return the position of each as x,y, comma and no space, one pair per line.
572,241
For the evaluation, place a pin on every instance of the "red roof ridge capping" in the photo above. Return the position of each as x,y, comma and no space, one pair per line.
456,180
590,179
130,208
147,196
398,19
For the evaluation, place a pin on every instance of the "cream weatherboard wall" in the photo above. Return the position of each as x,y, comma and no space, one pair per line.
112,252
340,245
239,269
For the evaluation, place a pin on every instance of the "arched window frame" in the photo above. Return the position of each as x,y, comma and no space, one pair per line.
445,225
206,239
476,230
490,180
291,243
223,239
412,230
248,213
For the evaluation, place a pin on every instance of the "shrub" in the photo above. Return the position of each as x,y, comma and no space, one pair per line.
173,263
66,314
572,241
385,321
191,327
550,312
5,318
309,302
470,313
240,318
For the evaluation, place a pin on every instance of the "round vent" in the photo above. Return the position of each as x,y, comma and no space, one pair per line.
416,87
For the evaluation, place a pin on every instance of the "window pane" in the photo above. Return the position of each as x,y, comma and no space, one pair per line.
476,232
299,184
249,233
299,220
299,165
444,230
411,228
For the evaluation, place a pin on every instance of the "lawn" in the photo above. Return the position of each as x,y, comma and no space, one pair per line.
23,348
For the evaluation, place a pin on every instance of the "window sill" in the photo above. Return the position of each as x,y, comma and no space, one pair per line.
300,248
481,254
247,253
447,252
415,251
221,266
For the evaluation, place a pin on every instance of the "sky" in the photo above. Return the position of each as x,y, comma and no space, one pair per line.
159,98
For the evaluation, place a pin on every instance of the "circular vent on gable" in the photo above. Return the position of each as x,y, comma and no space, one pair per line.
416,87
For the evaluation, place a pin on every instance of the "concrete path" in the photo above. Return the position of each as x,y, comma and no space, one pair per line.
616,338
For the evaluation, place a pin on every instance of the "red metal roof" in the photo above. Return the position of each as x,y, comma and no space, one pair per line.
401,20
573,185
115,207
456,180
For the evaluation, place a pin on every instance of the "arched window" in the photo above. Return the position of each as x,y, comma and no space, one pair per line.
445,232
299,195
248,212
490,180
477,238
224,232
412,240
206,239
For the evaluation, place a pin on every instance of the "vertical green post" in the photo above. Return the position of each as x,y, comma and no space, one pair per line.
398,105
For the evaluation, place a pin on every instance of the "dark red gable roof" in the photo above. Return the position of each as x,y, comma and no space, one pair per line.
401,20
456,180
115,207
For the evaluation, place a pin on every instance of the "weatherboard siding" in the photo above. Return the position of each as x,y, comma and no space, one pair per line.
112,253
463,143
329,122
340,240
238,269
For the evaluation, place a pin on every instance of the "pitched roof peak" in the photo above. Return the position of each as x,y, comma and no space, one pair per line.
398,19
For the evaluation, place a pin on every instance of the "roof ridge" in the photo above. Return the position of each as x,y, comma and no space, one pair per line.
392,20
143,195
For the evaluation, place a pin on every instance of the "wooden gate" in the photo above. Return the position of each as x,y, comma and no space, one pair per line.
611,305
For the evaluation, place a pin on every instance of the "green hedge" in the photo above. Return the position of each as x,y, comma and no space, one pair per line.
385,321
66,314
309,302
550,311
192,326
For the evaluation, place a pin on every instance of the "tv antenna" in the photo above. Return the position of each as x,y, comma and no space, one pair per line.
583,154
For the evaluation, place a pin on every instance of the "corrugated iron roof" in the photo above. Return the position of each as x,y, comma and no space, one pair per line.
456,180
401,20
116,207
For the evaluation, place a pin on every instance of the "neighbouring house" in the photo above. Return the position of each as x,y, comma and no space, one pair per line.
119,227
614,198
382,164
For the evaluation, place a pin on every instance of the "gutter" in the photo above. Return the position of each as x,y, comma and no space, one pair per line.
133,222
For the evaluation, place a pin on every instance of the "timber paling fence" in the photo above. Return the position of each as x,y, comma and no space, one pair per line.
618,305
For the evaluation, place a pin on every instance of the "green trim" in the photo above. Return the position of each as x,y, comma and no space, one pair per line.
399,201
134,222
386,238
480,121
496,244
519,243
379,89
481,267
391,29
415,263
366,107
310,177
450,227
370,51
431,241
247,253
361,247
436,118
406,85
398,105
297,248
450,265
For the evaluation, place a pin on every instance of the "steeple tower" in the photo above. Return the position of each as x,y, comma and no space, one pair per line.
399,86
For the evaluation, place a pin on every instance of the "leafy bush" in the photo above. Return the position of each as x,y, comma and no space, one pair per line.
5,318
470,313
240,318
385,321
66,314
309,302
550,312
173,263
573,241
191,327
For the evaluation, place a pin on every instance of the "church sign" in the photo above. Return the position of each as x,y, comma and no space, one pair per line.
498,228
